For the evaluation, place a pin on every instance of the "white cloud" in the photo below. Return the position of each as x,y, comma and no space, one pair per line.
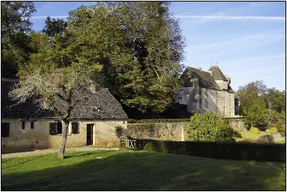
226,17
239,43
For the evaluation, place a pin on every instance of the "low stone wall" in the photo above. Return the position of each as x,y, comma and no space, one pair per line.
159,131
172,131
236,123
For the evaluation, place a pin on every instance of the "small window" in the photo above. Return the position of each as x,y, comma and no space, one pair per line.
32,124
55,128
206,103
5,129
75,128
23,124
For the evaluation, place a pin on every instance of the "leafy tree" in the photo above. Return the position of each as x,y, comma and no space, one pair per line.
15,27
275,99
141,47
57,78
54,26
248,93
256,114
210,127
280,122
261,107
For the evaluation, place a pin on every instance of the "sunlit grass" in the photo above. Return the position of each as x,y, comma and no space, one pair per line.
138,170
247,135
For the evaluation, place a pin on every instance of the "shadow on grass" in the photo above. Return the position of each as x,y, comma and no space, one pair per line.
150,171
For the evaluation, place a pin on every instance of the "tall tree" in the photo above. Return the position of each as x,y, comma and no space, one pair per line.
248,93
57,78
15,27
54,26
261,106
141,47
275,99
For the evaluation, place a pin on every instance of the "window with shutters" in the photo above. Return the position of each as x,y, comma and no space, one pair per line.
75,128
5,129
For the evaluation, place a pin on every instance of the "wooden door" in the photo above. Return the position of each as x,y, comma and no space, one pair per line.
90,134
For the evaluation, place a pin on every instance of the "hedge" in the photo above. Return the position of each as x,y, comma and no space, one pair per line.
158,120
235,151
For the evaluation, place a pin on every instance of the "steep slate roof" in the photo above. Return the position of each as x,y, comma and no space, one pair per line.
99,106
205,79
217,74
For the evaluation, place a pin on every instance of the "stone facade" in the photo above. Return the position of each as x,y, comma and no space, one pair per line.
25,126
237,124
202,92
159,131
19,139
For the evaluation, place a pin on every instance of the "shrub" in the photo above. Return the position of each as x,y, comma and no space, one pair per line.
273,130
254,130
210,127
221,150
156,146
280,123
119,131
267,130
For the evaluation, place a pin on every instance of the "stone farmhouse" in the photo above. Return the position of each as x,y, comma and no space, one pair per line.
206,92
27,127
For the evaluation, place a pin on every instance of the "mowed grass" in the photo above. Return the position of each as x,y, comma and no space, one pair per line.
251,136
138,170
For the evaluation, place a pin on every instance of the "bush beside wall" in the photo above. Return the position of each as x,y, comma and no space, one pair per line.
235,151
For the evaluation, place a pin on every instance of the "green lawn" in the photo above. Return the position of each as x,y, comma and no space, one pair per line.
138,170
251,136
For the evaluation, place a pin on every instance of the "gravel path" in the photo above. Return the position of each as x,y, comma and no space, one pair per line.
49,151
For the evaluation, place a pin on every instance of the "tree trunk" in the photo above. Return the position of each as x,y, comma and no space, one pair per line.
65,125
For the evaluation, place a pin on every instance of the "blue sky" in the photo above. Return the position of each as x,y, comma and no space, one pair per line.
245,39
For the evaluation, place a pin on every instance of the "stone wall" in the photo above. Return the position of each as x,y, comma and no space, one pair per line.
221,102
237,123
176,131
159,131
105,133
39,138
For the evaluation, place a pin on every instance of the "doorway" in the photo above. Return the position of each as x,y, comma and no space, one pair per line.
90,134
